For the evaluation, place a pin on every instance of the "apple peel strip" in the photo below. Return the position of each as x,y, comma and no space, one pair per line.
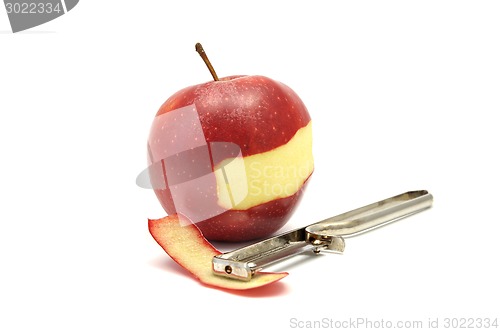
187,246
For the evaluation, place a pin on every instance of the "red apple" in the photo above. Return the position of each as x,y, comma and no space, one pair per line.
232,155
188,247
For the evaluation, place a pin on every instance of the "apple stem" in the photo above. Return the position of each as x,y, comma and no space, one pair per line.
203,55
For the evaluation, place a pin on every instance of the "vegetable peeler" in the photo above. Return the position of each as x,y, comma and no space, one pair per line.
327,235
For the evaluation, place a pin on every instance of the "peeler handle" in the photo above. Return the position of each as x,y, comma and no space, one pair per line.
371,216
325,235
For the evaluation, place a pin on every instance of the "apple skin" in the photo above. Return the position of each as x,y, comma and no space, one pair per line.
188,247
257,114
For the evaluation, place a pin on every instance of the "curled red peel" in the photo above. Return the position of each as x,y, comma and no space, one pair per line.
189,248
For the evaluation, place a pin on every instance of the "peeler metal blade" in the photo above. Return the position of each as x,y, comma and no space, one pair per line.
325,235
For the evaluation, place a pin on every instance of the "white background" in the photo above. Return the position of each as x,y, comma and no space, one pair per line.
403,96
